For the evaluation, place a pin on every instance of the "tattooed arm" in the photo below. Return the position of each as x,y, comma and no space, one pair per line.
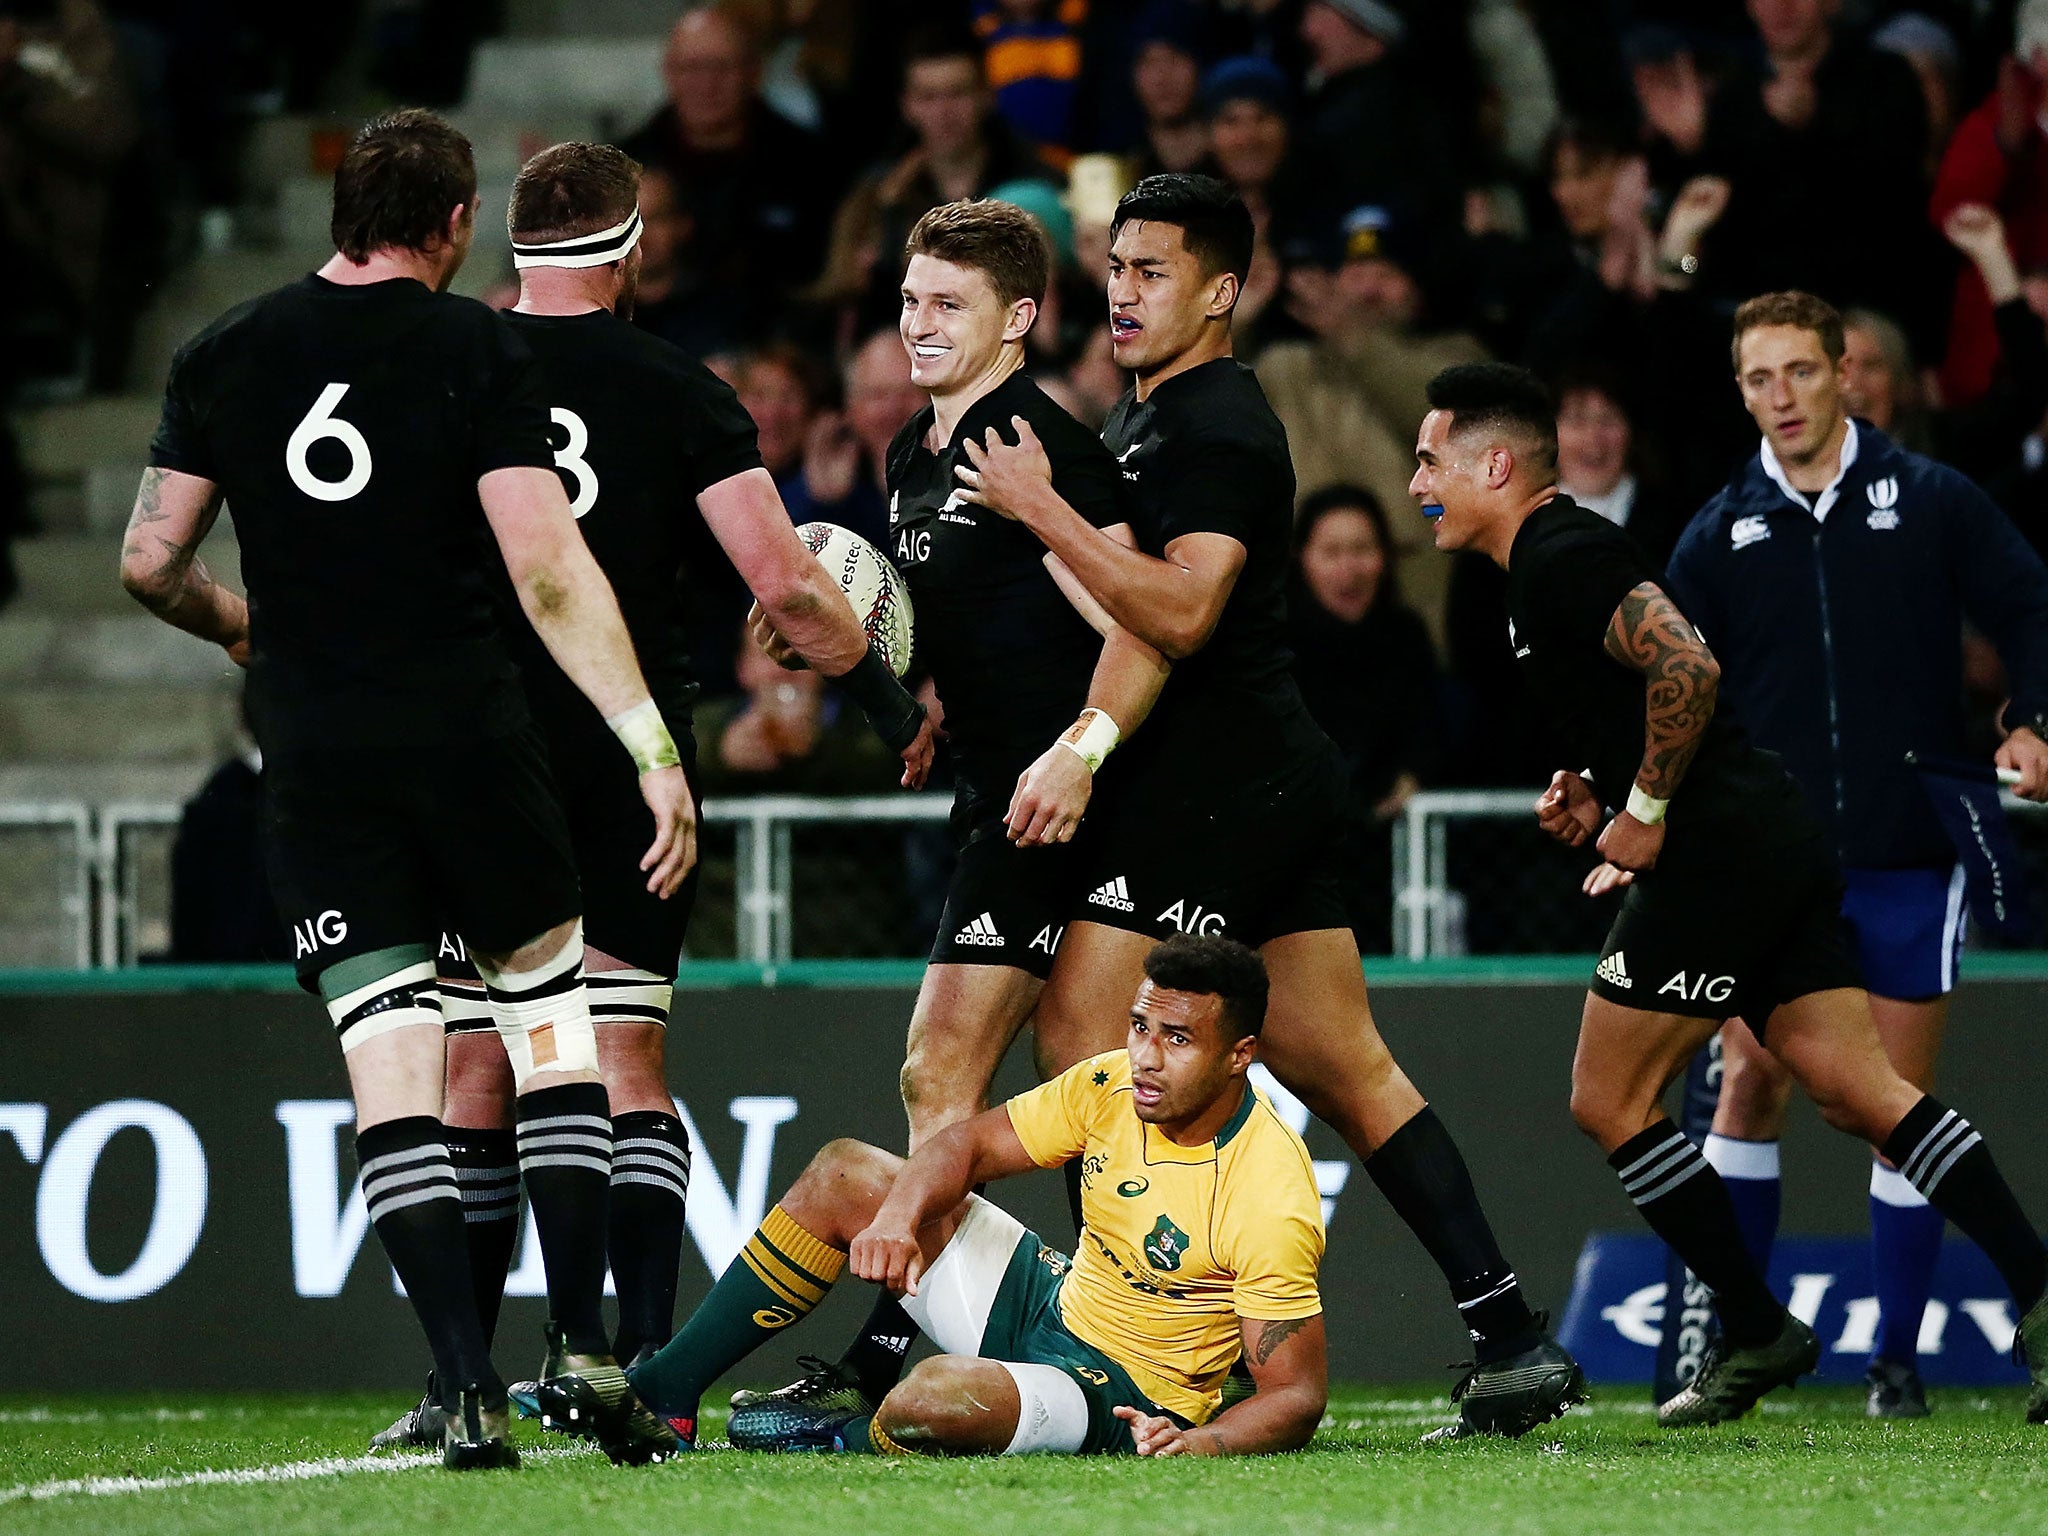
160,563
1680,682
1290,1366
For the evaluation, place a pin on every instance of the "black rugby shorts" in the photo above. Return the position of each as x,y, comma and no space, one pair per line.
1006,905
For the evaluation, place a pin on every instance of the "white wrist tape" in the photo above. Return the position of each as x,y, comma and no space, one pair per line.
646,736
1647,809
1092,738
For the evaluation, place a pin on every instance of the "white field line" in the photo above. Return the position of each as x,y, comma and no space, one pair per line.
282,1472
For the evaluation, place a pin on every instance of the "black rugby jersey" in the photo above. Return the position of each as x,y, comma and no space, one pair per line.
1010,656
1204,453
347,428
639,429
1568,571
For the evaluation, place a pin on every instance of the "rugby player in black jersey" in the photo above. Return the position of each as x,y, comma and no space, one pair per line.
1734,895
1037,685
1225,816
367,431
662,467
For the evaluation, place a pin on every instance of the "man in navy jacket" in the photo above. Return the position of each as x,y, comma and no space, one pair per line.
1832,577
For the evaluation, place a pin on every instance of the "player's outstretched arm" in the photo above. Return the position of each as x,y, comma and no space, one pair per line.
160,564
938,1176
799,603
1171,604
1290,1364
1681,682
571,606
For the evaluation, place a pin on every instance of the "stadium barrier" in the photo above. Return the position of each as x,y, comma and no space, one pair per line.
178,1207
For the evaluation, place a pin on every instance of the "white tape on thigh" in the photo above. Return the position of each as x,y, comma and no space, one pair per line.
1052,1411
954,1296
391,1002
629,997
543,1015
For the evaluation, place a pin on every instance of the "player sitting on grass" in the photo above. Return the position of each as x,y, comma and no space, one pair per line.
1202,1235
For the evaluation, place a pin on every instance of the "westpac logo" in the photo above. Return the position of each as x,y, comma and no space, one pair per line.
1883,496
1749,530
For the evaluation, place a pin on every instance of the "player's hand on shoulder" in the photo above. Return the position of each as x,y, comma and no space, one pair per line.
674,851
1004,476
889,1257
2027,755
1567,810
917,757
1629,845
1156,1435
773,646
1051,798
1607,877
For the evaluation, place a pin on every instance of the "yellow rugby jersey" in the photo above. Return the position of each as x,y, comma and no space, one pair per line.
1177,1243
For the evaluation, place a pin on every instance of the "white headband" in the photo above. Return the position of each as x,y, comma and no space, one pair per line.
600,249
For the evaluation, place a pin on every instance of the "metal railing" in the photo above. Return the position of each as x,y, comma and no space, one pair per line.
98,893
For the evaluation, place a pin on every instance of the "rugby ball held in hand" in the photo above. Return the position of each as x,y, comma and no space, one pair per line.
873,587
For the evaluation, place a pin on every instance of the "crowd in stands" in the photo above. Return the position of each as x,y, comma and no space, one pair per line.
1586,186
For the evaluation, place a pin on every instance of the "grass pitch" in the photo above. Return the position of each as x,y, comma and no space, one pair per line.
1808,1462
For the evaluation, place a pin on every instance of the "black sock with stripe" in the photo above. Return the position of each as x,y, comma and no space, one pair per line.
565,1156
1945,1158
409,1187
650,1183
781,1274
1423,1175
486,1164
1686,1204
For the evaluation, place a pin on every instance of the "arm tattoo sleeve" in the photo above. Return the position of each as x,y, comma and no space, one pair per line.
1649,635
1273,1335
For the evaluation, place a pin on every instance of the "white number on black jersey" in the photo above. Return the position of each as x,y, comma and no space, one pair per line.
320,422
570,457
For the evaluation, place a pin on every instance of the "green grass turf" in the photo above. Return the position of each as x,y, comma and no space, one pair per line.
1808,1462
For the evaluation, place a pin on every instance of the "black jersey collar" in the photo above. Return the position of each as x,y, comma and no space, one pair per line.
995,409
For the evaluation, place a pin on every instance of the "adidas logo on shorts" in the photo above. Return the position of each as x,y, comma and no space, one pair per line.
981,931
1614,971
1115,895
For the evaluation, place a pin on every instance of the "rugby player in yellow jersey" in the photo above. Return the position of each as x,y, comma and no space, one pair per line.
1201,1237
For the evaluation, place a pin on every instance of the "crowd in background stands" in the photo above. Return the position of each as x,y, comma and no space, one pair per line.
1588,186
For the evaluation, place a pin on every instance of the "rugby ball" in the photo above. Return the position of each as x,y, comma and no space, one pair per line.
874,589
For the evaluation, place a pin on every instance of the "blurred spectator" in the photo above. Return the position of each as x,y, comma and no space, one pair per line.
67,123
806,54
846,455
960,149
1930,48
759,187
1166,78
1521,108
1369,676
673,299
782,389
1999,157
221,907
1249,103
787,733
1374,126
1032,60
1598,466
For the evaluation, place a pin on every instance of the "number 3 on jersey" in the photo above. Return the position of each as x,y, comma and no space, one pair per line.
321,422
569,459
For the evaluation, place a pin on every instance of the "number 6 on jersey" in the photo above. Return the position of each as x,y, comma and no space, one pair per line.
320,422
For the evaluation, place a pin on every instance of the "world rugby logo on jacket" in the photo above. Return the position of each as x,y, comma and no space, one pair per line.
1883,496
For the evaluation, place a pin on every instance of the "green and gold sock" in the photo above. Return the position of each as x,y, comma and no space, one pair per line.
780,1275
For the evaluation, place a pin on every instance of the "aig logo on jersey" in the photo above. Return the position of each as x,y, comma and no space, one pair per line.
1883,496
1701,988
1192,919
330,927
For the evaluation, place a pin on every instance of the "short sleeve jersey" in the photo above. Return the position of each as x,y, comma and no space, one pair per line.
1177,1243
347,428
1010,656
639,429
1568,571
1204,453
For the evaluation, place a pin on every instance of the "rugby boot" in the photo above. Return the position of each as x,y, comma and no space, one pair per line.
1512,1395
590,1397
777,1424
2030,1349
524,1394
1895,1391
420,1428
477,1438
824,1385
1730,1380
